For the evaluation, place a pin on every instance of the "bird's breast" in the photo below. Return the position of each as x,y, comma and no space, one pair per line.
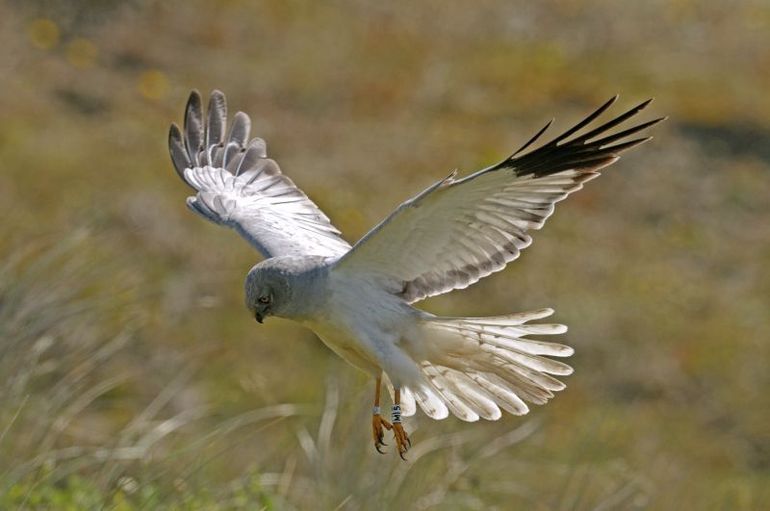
354,317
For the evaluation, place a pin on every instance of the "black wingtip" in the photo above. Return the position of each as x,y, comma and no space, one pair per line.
641,106
193,125
174,131
611,123
585,122
194,107
194,99
177,151
609,103
656,121
588,151
534,138
625,146
174,137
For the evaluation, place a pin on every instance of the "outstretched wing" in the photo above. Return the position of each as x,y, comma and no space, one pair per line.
238,186
458,231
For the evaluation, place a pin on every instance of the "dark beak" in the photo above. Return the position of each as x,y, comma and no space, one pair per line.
259,317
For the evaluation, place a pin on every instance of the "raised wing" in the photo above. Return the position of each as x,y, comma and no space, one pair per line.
238,186
458,231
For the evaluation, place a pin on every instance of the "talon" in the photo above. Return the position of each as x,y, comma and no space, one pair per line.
403,443
378,423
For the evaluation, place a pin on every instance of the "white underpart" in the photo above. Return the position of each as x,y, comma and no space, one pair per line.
447,237
470,367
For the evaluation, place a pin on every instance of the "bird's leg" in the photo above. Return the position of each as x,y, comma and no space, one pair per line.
377,421
402,440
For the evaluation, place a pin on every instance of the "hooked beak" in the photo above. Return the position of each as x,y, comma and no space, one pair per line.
259,317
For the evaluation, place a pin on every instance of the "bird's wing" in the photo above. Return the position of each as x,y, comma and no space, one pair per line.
458,231
238,186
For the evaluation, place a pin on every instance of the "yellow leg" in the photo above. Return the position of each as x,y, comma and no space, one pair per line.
402,439
378,423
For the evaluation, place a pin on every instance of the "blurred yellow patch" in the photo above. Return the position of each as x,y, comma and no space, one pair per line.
153,84
678,10
82,53
757,17
354,220
43,33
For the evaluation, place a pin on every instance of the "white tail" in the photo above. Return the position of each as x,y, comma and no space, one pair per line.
473,367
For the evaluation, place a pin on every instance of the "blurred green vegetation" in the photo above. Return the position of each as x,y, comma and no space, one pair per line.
131,376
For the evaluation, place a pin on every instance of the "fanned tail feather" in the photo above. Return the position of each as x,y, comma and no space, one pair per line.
475,367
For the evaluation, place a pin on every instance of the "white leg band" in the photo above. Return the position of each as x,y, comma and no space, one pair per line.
395,414
376,410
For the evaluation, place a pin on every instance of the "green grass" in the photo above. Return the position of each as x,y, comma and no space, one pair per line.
131,376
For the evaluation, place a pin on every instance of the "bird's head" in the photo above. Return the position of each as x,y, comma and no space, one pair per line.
267,290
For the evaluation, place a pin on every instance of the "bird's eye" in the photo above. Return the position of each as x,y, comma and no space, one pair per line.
264,299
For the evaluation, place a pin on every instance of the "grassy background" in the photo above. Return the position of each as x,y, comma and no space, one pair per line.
131,376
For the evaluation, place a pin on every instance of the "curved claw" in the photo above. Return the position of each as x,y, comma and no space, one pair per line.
403,443
380,443
378,434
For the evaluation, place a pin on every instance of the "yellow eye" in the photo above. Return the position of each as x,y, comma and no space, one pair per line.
264,299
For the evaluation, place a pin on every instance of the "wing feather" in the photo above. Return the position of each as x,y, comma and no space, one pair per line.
459,231
239,187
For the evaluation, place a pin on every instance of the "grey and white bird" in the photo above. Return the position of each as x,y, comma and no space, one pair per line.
359,300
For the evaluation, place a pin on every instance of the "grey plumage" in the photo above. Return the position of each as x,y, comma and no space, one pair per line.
238,186
500,204
449,236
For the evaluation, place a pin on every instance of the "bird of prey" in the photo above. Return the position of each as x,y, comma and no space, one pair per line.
359,300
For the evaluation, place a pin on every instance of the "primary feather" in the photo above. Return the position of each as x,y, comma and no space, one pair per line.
459,231
447,237
238,186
